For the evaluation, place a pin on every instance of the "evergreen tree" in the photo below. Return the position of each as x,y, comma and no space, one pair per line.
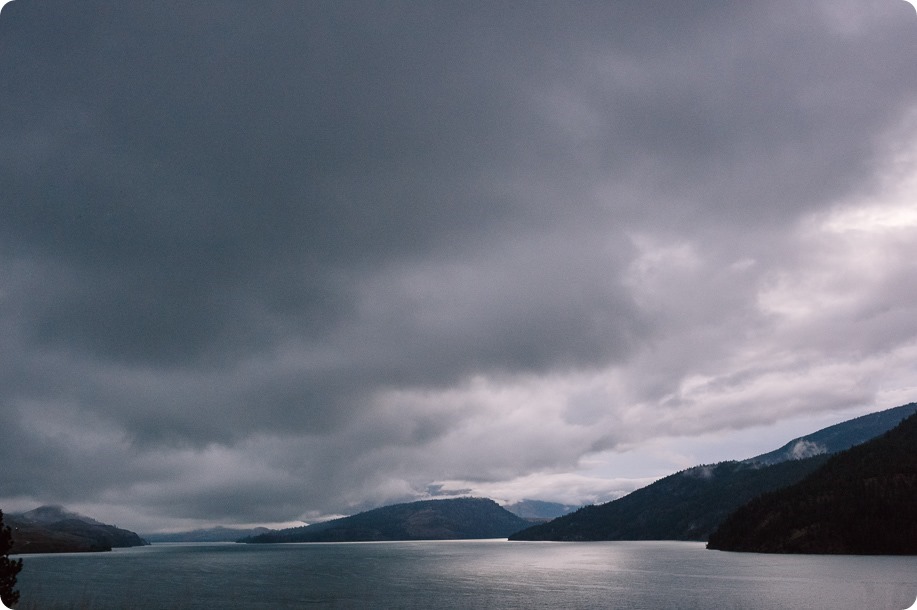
9,568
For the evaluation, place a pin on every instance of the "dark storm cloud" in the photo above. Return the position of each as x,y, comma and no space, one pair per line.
228,225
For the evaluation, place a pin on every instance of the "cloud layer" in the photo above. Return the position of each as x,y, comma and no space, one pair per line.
266,261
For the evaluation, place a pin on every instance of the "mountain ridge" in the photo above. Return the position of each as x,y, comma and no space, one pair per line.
840,436
686,505
446,519
210,534
53,529
862,501
691,504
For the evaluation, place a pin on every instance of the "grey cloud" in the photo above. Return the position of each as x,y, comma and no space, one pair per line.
196,186
233,221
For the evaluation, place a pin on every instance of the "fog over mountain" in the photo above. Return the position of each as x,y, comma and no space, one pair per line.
270,262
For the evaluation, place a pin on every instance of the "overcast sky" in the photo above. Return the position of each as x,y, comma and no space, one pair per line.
266,261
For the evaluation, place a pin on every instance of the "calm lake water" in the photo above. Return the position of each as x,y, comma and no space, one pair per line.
462,574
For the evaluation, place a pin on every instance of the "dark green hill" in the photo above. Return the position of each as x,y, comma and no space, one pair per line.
691,504
839,437
456,519
51,529
862,501
684,506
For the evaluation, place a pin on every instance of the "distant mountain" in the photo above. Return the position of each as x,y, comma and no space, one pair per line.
213,534
455,519
691,504
538,510
862,501
52,529
839,436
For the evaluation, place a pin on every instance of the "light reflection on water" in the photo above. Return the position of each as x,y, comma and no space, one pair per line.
462,574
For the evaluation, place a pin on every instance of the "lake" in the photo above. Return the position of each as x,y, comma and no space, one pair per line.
461,574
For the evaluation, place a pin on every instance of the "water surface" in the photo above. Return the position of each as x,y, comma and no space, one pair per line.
462,574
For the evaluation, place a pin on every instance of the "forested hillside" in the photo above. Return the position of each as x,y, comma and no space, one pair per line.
839,437
687,505
862,501
455,519
52,529
691,504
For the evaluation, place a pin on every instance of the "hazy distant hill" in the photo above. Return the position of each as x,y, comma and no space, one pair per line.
839,436
862,501
52,529
213,534
455,519
538,510
691,504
